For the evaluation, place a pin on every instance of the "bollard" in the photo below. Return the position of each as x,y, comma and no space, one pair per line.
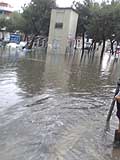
117,139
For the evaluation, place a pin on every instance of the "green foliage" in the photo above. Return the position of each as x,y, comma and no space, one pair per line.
2,21
15,22
84,14
99,21
37,16
12,23
34,19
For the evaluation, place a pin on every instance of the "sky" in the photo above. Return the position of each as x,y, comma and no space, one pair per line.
18,3
61,3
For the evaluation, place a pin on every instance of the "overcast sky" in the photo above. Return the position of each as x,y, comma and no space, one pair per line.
18,3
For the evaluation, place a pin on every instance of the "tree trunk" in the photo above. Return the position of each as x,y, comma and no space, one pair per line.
3,35
25,38
112,43
94,45
103,49
31,43
112,46
83,42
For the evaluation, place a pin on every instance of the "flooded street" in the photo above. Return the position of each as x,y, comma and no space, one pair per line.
54,107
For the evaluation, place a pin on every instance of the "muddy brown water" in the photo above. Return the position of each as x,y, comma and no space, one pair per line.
54,107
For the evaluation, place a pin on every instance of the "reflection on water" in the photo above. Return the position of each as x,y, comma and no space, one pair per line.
30,75
54,107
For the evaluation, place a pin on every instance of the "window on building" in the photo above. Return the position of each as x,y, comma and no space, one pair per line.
59,25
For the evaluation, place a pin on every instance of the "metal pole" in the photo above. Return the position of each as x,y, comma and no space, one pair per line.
113,101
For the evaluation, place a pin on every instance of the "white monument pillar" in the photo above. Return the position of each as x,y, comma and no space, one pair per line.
62,29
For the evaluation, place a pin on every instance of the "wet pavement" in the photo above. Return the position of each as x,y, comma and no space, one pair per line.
54,107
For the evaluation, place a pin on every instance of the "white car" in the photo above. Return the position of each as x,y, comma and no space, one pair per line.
12,45
22,44
15,45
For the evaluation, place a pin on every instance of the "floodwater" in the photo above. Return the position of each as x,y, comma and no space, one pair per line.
54,107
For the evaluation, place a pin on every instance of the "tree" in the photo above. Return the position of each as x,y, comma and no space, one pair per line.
15,22
84,14
37,16
93,24
2,21
111,20
2,25
99,21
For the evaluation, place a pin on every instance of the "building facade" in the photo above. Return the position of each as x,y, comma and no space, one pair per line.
5,9
62,30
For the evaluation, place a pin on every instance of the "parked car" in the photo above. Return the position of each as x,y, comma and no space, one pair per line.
21,45
12,45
